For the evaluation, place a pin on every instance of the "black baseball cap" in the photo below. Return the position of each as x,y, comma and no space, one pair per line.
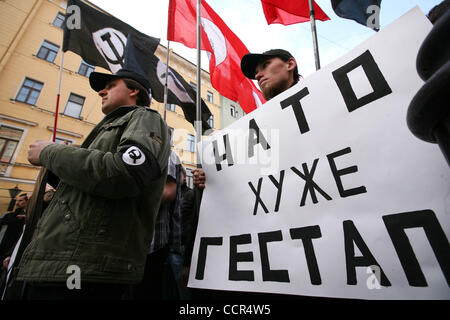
98,80
251,60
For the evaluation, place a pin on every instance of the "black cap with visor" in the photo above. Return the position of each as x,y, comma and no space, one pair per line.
250,61
99,80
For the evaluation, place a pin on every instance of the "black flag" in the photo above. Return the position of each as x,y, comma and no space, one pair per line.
101,40
179,91
365,12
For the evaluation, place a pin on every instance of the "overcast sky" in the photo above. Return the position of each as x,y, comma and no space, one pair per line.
246,19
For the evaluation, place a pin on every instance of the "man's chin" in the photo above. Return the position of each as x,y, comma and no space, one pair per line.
105,109
267,94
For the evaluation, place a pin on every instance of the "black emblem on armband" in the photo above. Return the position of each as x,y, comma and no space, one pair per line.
133,156
140,163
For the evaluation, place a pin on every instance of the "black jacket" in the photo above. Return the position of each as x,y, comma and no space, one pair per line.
14,228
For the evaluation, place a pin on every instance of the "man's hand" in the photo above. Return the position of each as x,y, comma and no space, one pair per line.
199,178
35,150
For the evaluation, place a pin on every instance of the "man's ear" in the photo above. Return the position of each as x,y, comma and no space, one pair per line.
291,64
134,92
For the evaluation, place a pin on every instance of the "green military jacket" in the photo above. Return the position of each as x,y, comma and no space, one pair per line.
102,216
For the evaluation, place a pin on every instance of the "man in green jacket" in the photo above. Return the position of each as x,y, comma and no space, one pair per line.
93,238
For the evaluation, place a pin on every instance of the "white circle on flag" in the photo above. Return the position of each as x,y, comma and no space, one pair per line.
133,156
111,44
217,40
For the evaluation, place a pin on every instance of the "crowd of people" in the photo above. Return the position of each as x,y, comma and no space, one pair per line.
122,211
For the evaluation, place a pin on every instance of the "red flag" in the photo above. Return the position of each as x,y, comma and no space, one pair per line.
288,12
225,48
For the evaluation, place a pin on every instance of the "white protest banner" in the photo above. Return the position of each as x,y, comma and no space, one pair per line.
325,192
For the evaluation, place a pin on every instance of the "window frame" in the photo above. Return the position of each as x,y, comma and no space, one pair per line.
233,111
209,96
59,139
190,144
44,51
5,165
30,89
189,178
171,107
58,17
74,103
211,121
89,69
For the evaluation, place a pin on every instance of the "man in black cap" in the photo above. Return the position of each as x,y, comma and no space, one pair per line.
275,70
94,235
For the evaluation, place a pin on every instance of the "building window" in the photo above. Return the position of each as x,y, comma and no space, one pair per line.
189,178
209,96
85,69
48,51
193,85
233,111
59,20
171,107
191,143
9,139
63,140
74,106
171,136
29,92
211,121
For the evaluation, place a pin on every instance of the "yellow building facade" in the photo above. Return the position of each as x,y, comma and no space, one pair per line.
30,58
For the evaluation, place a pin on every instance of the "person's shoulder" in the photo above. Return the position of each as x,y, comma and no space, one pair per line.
151,110
147,112
147,109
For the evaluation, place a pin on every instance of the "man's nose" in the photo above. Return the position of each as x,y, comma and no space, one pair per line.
102,92
258,75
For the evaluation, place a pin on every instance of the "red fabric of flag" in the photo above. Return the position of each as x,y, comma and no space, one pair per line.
225,48
288,12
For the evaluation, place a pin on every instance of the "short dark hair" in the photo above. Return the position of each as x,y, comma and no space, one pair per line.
143,98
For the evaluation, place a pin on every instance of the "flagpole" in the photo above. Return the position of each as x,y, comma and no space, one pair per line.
167,79
314,34
198,122
58,96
